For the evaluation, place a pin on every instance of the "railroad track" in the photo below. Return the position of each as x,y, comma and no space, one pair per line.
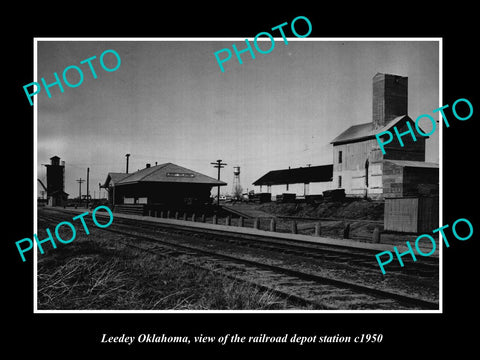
306,289
363,258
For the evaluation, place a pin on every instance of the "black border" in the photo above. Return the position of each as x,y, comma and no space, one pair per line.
405,333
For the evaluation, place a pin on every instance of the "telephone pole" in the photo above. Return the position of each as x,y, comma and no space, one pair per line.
219,165
88,177
80,181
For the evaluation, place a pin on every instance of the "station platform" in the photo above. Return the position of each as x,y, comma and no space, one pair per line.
234,229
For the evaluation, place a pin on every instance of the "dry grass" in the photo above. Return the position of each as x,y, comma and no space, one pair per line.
89,275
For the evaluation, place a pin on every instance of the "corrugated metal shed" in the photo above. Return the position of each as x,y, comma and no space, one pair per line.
302,175
411,215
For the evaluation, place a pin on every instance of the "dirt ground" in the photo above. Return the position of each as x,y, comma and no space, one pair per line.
348,209
362,215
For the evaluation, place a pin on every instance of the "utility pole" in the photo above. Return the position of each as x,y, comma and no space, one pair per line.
88,177
219,165
80,181
127,156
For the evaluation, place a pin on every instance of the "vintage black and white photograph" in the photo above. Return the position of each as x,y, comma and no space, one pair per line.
172,179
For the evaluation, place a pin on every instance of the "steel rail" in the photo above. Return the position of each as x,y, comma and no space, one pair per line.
362,289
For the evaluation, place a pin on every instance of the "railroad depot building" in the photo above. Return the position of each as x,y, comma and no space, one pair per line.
157,187
360,167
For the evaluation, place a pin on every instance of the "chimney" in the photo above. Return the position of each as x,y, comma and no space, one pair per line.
126,167
390,98
147,166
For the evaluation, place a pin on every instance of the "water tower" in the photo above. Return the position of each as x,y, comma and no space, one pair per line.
55,176
236,182
56,182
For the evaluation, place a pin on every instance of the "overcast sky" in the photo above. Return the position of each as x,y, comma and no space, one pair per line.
169,102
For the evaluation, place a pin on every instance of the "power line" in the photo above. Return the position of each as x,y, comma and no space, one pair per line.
88,179
219,165
80,181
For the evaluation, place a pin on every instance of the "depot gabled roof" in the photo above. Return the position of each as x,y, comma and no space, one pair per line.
365,131
113,179
164,173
